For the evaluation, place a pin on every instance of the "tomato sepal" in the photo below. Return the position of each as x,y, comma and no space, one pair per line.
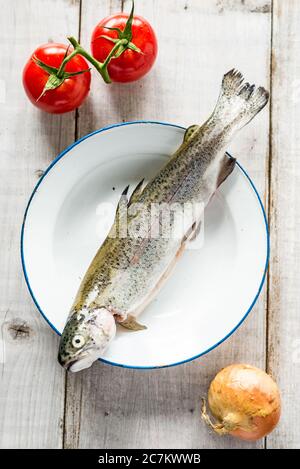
56,75
111,39
127,33
135,48
47,68
119,31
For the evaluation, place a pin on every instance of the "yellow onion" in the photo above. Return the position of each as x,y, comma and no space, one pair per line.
245,402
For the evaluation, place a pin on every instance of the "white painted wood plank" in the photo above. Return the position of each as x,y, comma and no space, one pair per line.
284,300
198,41
32,383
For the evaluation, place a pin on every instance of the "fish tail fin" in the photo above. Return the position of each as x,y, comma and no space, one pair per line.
238,102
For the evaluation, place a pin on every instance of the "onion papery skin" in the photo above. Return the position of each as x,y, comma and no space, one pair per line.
245,401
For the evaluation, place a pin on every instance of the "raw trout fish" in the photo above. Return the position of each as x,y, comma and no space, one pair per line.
127,271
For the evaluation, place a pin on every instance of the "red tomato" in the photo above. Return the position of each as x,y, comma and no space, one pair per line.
66,97
131,65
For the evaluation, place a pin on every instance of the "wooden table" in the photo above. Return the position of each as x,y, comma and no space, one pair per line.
199,40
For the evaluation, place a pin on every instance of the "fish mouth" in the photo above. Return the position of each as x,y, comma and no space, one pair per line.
66,364
81,363
78,363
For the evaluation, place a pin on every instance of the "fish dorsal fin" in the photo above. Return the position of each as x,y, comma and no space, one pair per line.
137,192
116,224
189,133
132,324
226,167
123,199
125,202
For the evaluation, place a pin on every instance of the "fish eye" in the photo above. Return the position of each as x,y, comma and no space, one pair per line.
78,341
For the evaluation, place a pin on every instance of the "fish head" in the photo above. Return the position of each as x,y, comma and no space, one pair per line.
85,338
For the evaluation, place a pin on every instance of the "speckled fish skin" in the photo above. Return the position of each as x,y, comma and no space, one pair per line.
127,272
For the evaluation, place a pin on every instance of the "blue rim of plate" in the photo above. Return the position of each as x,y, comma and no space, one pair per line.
61,155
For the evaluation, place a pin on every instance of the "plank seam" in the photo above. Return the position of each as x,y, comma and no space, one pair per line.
79,40
269,187
76,119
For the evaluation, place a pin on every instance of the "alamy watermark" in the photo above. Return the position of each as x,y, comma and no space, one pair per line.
160,221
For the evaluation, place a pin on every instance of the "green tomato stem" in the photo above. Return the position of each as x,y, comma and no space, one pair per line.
61,69
99,66
57,76
121,42
78,49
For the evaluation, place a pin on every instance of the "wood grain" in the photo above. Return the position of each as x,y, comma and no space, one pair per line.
284,300
32,383
111,407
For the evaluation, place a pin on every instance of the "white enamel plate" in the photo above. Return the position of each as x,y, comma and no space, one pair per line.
213,287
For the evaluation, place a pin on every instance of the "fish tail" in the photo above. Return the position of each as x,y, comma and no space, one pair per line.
238,102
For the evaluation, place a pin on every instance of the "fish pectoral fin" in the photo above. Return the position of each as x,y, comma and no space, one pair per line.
226,167
131,323
190,131
192,232
195,231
